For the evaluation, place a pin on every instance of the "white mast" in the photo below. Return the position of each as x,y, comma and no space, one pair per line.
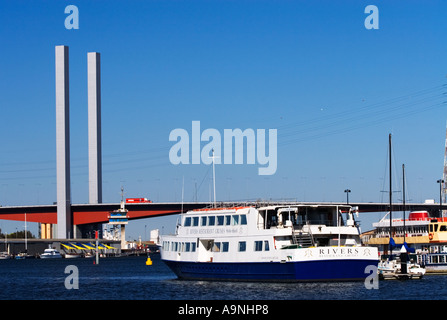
214,179
26,242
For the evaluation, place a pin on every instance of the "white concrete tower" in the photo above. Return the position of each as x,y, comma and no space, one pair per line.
64,219
94,128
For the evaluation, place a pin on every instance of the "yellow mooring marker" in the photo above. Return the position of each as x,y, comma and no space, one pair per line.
148,261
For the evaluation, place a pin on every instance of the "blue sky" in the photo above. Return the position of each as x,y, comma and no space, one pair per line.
310,69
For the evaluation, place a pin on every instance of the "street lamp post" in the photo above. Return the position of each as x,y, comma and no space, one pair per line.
347,195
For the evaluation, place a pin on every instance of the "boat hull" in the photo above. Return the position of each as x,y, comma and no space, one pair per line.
321,270
51,256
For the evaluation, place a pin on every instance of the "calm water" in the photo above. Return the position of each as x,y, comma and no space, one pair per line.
130,279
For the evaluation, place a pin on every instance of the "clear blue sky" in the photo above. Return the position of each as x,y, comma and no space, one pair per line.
310,69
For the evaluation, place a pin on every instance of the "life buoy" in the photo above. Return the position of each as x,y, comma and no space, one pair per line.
430,236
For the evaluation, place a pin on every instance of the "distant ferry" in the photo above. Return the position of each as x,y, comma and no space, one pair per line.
426,235
271,243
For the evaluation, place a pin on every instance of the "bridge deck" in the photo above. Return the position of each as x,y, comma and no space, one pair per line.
98,213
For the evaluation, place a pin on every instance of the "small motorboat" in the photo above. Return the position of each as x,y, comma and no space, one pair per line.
72,255
4,256
24,255
398,269
50,253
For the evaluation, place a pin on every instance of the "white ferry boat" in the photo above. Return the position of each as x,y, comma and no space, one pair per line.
271,243
426,237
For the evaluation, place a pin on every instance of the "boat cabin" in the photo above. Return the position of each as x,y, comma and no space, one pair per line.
298,216
419,228
297,225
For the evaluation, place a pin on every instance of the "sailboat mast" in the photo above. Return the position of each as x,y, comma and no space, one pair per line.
391,191
403,199
26,240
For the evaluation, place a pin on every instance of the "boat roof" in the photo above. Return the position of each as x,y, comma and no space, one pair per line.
274,207
268,207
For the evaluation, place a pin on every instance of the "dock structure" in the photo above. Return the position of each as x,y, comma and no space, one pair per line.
34,247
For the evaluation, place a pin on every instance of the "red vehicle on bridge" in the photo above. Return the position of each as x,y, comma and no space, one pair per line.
138,200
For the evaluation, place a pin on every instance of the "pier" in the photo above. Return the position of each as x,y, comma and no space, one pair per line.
34,247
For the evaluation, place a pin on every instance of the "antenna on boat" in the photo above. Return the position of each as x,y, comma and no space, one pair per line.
214,178
183,190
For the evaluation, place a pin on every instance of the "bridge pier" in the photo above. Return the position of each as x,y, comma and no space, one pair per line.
64,220
94,128
46,231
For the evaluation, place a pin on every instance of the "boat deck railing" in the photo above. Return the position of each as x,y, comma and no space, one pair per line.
259,203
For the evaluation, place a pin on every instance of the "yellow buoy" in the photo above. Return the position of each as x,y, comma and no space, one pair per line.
148,261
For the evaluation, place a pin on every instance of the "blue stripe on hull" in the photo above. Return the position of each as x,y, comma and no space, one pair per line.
325,270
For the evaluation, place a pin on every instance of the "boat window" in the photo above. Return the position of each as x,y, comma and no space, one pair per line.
225,246
211,220
243,219
433,249
235,220
227,220
193,247
203,221
266,245
188,247
258,245
216,247
436,227
195,221
242,246
187,222
220,220
443,228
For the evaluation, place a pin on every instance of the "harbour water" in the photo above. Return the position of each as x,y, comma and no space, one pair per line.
129,278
